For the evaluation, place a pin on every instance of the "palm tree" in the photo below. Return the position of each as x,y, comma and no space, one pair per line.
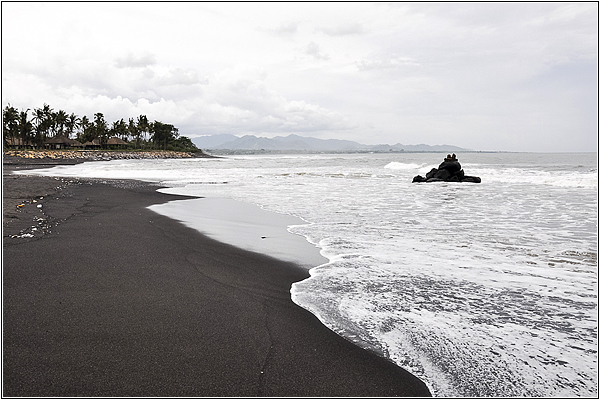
60,119
49,121
25,128
134,131
71,123
119,129
10,122
100,128
40,133
85,133
143,126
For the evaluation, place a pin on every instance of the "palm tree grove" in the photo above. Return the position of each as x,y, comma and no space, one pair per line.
43,126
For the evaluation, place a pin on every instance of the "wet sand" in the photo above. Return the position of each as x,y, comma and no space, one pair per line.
108,298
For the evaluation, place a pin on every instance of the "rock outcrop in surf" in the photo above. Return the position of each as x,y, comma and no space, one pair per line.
448,171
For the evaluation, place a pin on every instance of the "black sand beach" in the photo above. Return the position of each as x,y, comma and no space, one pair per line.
107,298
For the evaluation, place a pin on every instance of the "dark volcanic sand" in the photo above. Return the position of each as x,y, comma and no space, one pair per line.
116,300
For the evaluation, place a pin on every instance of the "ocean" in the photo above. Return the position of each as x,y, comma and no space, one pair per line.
486,289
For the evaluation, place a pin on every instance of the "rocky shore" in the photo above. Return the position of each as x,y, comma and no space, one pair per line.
99,155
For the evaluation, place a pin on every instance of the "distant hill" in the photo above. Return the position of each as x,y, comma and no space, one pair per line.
210,142
307,144
418,147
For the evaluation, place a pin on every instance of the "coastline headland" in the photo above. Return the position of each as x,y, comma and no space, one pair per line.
108,298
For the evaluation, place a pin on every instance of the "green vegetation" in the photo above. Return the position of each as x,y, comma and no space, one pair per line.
20,129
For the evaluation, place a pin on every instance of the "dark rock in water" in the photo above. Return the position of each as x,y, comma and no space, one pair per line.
472,179
448,171
450,166
443,174
430,174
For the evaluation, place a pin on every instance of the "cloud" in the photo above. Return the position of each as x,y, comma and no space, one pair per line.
287,28
239,100
133,61
235,100
343,30
314,51
103,78
179,76
567,15
385,63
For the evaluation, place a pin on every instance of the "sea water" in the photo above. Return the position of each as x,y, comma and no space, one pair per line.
484,289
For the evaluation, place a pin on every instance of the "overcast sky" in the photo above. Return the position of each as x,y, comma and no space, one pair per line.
486,76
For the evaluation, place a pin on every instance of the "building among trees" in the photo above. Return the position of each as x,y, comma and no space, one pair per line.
61,142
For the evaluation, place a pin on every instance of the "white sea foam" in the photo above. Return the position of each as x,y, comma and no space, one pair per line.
480,289
403,166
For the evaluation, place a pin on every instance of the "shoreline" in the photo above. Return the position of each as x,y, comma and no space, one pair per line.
113,299
246,226
21,157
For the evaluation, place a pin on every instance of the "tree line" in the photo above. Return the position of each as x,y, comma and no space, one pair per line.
45,123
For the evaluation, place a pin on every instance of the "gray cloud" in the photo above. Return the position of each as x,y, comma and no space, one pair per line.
343,30
286,29
314,51
133,61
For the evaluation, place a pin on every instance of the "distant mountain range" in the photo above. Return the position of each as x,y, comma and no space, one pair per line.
307,144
